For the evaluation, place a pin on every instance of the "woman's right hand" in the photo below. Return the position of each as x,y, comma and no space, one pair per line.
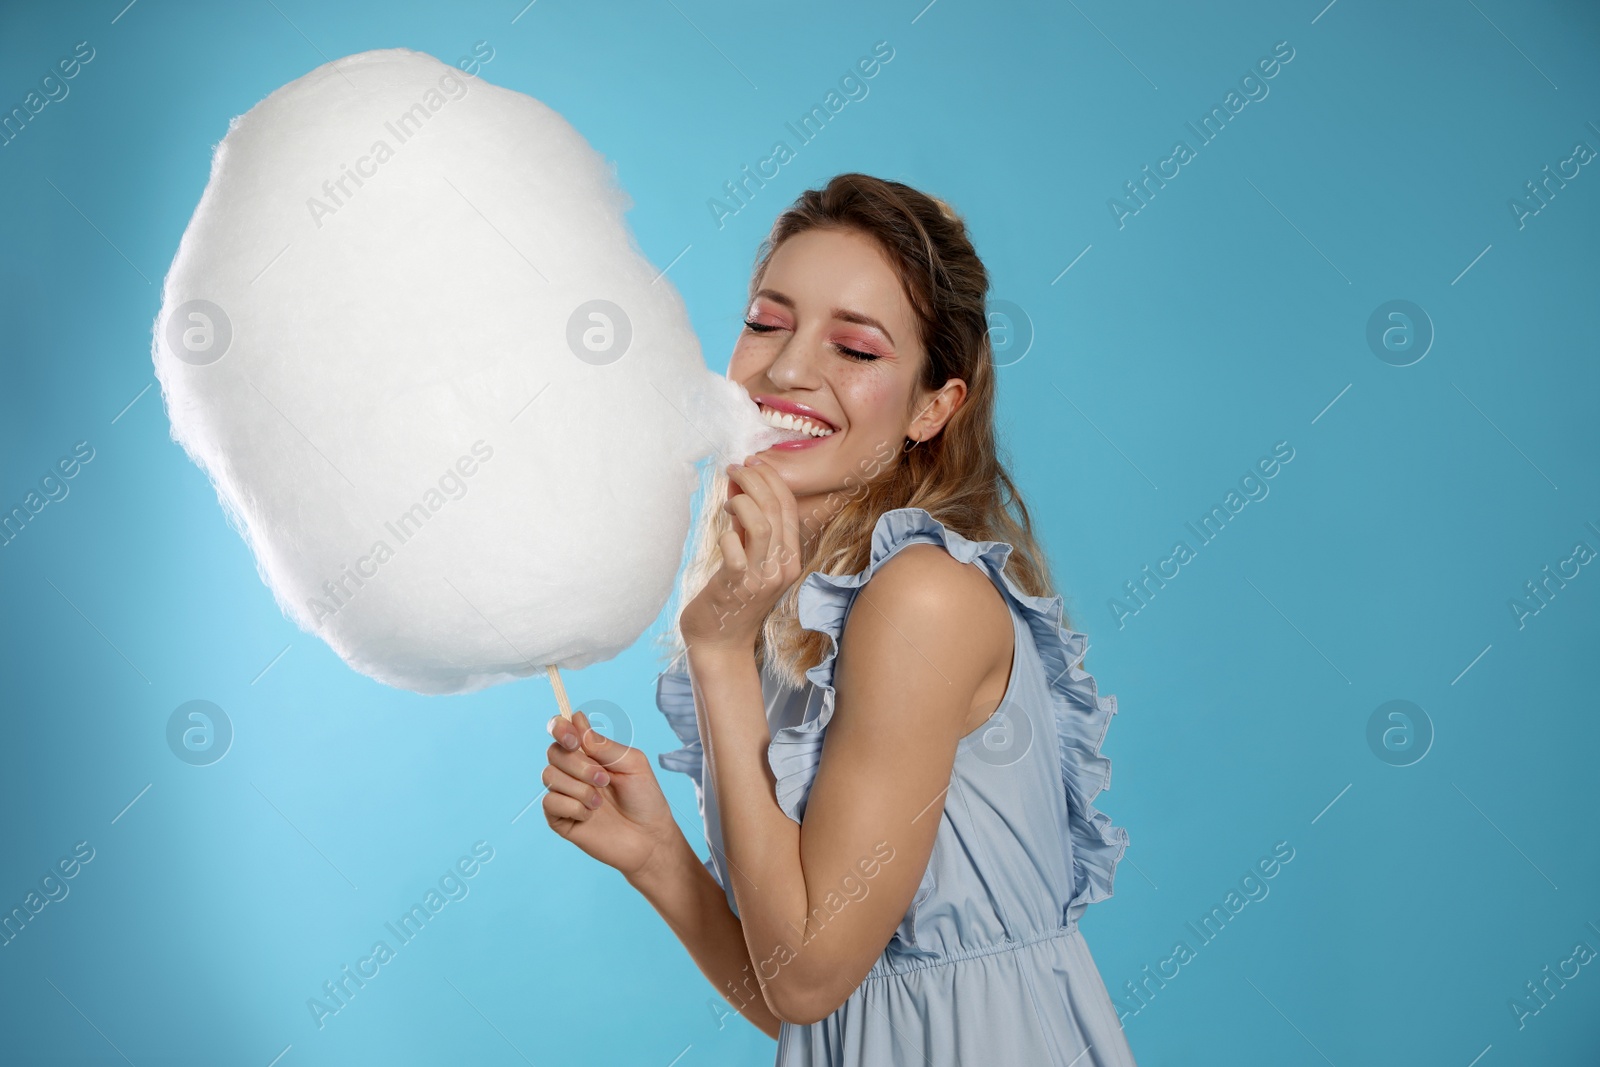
624,821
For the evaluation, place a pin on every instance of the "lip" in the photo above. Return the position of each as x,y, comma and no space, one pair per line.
777,403
799,445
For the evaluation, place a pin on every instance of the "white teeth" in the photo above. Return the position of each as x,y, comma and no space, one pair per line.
785,421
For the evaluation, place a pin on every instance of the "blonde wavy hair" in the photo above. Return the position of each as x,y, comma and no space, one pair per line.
958,475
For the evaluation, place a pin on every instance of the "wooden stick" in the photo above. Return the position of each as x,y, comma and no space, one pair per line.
561,691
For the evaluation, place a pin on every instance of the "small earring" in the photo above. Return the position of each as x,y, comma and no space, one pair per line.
911,442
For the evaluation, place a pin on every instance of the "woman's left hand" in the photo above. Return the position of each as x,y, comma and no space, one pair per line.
760,560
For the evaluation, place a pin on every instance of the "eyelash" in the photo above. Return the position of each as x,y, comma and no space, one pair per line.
861,357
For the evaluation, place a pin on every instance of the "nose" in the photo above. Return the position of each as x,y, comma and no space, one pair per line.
794,367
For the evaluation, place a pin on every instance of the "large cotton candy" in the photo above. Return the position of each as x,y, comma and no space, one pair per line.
453,410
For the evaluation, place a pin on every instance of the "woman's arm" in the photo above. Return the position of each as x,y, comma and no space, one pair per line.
686,895
924,635
604,798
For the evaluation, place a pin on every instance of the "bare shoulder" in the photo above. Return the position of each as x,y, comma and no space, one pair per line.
926,576
946,613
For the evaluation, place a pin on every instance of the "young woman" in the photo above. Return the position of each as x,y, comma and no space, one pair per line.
893,746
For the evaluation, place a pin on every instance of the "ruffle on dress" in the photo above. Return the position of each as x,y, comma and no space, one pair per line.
675,699
1082,715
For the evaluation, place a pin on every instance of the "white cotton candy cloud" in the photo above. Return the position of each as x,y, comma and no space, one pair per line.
453,410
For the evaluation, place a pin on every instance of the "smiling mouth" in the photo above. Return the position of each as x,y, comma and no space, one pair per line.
798,423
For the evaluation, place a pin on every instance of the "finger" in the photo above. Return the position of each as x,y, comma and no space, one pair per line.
561,729
751,518
776,502
733,520
754,488
558,807
757,527
733,557
577,765
561,782
788,516
606,752
586,729
752,478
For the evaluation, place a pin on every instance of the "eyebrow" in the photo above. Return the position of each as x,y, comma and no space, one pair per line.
842,314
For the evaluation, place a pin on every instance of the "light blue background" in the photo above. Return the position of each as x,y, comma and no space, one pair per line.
1171,356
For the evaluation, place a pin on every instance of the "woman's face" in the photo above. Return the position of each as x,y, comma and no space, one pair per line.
831,335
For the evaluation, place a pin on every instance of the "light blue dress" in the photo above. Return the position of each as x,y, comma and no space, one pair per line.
988,966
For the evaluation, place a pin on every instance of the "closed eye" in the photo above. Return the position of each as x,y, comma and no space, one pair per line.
864,357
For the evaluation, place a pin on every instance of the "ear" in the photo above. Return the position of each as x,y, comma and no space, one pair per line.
936,409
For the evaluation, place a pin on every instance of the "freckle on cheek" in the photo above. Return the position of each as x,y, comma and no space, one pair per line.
876,395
